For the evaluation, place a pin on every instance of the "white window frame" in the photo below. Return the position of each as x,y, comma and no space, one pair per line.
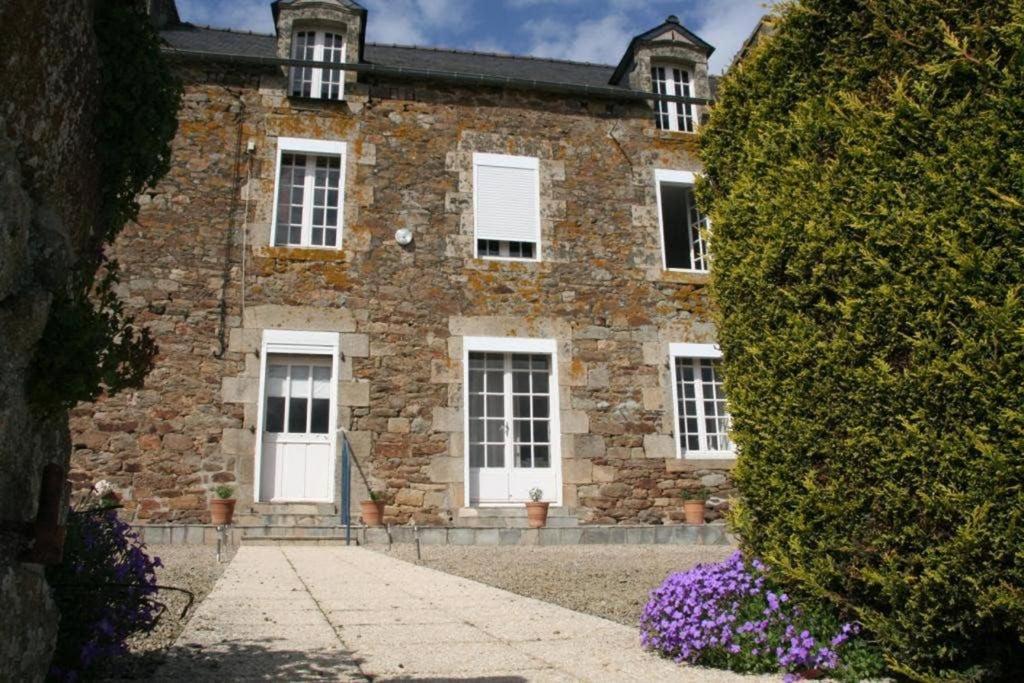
506,161
674,107
316,85
295,343
690,350
316,147
514,345
689,178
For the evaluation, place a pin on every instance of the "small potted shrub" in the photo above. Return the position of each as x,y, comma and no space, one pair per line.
536,509
222,508
694,501
373,509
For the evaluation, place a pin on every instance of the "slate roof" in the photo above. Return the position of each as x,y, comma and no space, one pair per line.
228,42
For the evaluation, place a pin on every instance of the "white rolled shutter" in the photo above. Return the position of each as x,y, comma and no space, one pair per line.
506,198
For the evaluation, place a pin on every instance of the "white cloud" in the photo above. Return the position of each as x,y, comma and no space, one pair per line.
412,22
726,24
600,40
241,15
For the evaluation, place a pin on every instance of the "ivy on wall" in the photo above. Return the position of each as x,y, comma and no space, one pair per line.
90,344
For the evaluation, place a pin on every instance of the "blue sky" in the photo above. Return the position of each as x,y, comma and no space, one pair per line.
585,30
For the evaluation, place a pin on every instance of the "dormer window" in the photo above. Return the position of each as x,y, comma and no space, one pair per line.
670,115
318,46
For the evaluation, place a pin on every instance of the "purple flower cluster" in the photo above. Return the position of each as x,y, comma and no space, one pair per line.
105,589
727,615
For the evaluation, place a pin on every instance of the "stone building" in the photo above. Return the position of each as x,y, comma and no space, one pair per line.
486,272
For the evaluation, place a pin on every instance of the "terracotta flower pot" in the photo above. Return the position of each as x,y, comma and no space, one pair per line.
694,511
373,512
222,510
537,514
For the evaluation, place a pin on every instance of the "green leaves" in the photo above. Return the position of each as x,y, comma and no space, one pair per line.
865,177
89,344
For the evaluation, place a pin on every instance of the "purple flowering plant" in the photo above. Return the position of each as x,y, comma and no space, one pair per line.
105,589
731,615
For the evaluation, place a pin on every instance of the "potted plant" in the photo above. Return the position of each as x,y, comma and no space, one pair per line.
536,509
222,508
694,501
373,509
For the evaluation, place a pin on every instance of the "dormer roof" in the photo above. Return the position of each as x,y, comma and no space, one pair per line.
670,30
350,5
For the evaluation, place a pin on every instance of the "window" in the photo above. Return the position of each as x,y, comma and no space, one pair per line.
298,395
317,46
506,206
702,421
683,226
672,80
309,194
509,409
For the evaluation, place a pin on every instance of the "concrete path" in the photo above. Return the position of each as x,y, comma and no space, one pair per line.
346,613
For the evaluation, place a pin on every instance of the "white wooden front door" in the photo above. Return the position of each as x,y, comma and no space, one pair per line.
509,443
297,442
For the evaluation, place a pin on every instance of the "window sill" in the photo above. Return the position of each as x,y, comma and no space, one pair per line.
686,277
301,253
672,135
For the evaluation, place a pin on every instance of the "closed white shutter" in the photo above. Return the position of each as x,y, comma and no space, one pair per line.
506,198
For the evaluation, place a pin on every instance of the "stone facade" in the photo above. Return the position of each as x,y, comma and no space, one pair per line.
47,174
201,273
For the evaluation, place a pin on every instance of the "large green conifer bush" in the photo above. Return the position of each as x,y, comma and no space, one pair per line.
865,179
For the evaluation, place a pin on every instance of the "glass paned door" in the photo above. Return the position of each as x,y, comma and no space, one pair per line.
510,415
297,449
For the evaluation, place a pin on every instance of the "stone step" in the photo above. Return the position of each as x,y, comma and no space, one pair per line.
674,534
513,518
288,509
287,540
513,511
289,531
252,519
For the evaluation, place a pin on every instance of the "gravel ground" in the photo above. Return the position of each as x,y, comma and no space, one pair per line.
610,581
192,567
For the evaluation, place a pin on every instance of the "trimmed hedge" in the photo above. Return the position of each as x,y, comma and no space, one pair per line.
865,181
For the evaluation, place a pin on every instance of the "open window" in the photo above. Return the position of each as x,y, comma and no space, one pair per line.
701,416
506,206
683,227
314,82
309,193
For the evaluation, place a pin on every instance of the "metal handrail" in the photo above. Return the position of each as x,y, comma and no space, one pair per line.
346,485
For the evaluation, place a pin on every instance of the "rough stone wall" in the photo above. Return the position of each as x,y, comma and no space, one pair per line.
599,290
47,171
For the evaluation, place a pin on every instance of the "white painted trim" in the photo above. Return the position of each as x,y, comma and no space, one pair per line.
664,175
507,161
310,146
514,345
510,344
690,350
297,342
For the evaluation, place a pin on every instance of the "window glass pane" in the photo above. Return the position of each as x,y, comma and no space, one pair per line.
540,406
277,375
476,455
521,382
495,405
495,381
524,456
495,432
476,430
674,226
476,405
319,422
541,456
321,381
521,406
540,431
522,431
297,415
540,382
496,456
275,414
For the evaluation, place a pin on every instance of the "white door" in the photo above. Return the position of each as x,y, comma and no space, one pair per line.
297,441
510,428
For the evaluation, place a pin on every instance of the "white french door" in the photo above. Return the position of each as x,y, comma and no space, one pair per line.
510,419
297,445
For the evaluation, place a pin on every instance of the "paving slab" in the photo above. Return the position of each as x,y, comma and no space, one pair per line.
347,613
